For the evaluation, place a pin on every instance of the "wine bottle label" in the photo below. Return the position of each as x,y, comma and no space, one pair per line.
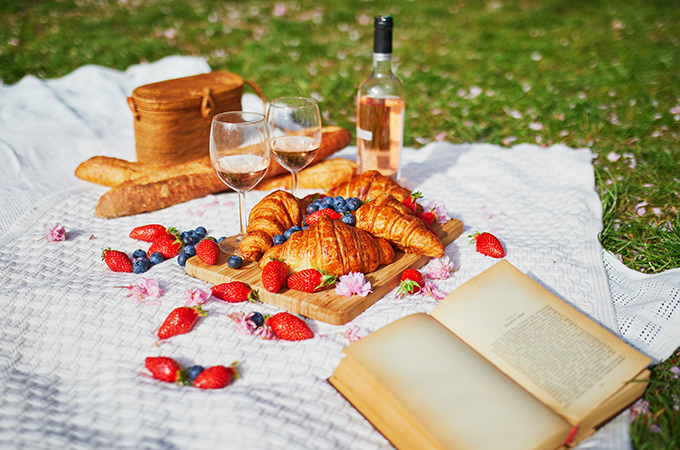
365,135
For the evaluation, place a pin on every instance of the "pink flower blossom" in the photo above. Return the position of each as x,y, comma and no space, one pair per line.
437,208
195,297
55,233
675,370
675,110
145,290
245,325
439,137
535,126
432,291
639,407
354,333
613,157
509,140
279,9
351,284
440,269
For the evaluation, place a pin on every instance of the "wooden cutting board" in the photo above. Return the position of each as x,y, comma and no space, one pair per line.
324,305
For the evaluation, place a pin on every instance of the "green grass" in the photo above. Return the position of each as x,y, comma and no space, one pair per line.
586,73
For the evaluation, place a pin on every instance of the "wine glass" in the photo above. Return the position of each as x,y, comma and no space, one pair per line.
295,133
239,151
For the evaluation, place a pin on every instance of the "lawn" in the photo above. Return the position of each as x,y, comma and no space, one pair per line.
587,73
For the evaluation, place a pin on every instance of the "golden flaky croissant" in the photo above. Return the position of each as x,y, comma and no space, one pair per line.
273,215
333,246
370,185
387,218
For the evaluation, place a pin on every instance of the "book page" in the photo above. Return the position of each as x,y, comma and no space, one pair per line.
566,360
462,400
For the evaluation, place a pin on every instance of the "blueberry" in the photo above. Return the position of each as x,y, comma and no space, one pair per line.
183,234
182,259
279,239
141,265
257,319
353,203
305,227
338,202
342,209
201,230
311,208
156,258
193,372
190,250
327,201
139,253
188,239
235,262
349,219
289,232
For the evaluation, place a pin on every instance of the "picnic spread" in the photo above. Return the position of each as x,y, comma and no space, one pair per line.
73,341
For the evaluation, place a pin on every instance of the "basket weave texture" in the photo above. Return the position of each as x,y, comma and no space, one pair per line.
172,118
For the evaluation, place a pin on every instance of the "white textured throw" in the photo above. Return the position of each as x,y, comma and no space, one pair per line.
72,346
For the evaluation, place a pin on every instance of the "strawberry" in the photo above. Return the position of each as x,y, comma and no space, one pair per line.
234,292
488,244
165,369
274,275
313,217
410,202
147,233
428,217
310,280
208,251
168,244
289,327
216,377
180,320
311,197
116,260
411,282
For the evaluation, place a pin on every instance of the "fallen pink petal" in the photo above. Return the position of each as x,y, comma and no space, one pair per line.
55,233
432,291
245,325
195,297
145,290
440,268
354,333
354,283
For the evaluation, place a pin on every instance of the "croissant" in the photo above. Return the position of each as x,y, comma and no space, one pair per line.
333,246
387,218
369,185
273,215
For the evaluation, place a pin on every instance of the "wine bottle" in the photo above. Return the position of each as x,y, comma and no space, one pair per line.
380,109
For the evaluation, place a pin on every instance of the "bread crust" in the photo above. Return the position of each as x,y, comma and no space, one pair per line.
149,188
332,246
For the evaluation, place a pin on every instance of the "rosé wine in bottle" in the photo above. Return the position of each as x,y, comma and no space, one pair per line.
380,112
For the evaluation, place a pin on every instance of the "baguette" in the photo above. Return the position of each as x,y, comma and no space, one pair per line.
163,186
323,176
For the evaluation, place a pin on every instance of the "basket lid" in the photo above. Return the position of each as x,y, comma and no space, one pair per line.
187,89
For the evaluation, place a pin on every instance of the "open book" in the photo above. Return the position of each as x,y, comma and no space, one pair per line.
500,363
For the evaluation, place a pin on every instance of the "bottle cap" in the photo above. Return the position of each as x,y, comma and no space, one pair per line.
382,41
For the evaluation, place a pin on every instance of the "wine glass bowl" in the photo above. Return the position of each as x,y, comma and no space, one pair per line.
295,133
239,152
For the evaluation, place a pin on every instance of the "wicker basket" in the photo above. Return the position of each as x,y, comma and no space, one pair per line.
172,118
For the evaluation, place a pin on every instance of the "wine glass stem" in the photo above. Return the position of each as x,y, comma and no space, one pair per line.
293,183
242,212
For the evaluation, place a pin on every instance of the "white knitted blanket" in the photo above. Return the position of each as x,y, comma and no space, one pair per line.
72,346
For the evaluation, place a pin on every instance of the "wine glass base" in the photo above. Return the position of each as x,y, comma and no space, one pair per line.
231,245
